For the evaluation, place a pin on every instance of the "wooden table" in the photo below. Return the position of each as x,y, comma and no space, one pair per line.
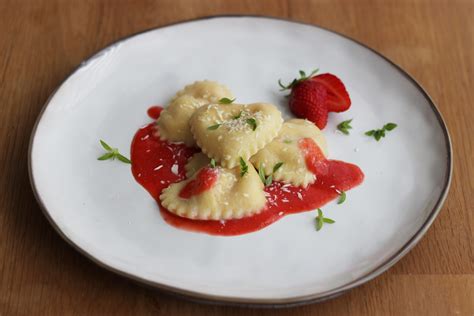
41,41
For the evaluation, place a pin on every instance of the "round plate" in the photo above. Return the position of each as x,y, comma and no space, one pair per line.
100,209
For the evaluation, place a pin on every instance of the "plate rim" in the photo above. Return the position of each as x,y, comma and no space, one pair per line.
250,302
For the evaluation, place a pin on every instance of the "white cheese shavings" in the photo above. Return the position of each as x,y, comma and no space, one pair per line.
174,169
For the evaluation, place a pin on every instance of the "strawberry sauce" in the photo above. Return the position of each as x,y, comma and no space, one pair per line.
205,180
156,164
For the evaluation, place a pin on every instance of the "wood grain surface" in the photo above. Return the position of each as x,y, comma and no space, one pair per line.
42,41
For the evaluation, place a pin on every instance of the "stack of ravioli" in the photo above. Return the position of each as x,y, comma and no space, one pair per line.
230,134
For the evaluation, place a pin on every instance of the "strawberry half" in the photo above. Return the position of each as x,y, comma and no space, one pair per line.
338,99
308,100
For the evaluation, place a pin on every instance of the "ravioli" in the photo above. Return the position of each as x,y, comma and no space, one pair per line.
228,132
285,148
173,123
196,162
232,196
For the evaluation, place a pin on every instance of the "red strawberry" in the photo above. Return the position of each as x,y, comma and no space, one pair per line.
308,100
338,99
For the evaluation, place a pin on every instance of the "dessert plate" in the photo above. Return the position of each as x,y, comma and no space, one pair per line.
100,209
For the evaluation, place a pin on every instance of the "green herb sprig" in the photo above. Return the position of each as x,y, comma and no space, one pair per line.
268,180
295,81
236,117
342,197
244,168
214,127
379,133
112,153
226,101
320,220
252,122
345,126
212,163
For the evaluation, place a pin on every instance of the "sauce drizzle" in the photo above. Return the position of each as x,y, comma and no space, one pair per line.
156,164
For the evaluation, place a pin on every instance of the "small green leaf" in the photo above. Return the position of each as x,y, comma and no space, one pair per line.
345,126
342,197
106,156
123,158
390,126
212,163
319,221
313,72
213,127
287,141
238,116
112,153
226,101
277,166
243,167
281,85
295,81
105,145
261,173
252,122
268,180
378,135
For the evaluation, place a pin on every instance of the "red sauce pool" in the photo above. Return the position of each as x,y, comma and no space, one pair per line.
156,164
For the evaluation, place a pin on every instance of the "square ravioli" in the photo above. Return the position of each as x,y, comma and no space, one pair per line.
216,194
287,148
173,123
228,132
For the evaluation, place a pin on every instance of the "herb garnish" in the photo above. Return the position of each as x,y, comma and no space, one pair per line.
243,167
212,163
342,197
252,122
320,220
379,133
287,141
112,153
345,126
226,101
213,127
261,173
268,180
277,166
302,77
236,117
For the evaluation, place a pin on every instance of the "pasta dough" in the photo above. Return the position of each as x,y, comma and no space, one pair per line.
284,148
196,162
232,196
227,132
173,123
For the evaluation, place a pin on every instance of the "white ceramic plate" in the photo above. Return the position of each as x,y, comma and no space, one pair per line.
100,209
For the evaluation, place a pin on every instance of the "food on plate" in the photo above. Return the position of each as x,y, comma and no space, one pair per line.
173,123
313,96
222,168
216,193
228,132
379,133
287,148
